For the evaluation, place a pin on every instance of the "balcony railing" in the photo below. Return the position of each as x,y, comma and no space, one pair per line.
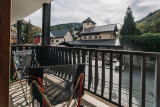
124,78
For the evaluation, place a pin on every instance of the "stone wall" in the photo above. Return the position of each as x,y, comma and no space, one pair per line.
137,60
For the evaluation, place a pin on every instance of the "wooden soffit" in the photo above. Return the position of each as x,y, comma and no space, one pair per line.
23,8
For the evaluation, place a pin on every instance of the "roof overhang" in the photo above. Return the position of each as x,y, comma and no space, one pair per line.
23,8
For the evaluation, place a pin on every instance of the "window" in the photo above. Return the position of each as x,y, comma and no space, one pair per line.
52,40
90,37
57,41
88,23
95,37
85,37
99,37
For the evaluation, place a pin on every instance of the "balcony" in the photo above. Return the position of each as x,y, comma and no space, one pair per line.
122,78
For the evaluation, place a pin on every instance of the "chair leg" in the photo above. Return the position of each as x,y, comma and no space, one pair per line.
30,99
22,87
26,88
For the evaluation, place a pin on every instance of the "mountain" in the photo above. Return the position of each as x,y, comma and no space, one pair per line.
74,27
150,23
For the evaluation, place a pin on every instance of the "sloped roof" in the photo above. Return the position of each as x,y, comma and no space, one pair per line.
104,28
40,34
55,34
59,33
88,20
100,43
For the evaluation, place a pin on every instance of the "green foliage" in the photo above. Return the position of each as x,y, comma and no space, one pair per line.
129,26
147,42
74,27
27,30
75,37
151,23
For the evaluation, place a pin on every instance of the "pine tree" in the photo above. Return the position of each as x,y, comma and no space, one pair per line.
27,30
129,26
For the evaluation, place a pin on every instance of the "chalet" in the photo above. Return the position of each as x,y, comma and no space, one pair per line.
56,37
96,36
90,31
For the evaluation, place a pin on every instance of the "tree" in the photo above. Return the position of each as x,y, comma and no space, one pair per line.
27,30
129,26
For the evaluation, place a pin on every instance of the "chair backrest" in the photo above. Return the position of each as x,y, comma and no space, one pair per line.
22,60
69,72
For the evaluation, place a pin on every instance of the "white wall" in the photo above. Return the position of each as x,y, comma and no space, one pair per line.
85,25
67,37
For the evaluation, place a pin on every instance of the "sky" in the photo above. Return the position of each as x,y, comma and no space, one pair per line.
103,12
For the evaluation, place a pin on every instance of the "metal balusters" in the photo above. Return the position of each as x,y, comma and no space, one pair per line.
157,83
57,56
130,80
55,62
90,70
49,56
52,56
96,72
41,56
83,56
60,57
143,82
74,56
103,74
120,78
111,77
70,56
79,61
66,57
63,57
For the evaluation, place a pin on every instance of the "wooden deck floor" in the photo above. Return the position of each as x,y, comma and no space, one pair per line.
88,100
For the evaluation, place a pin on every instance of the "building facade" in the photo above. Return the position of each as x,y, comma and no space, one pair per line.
90,31
56,37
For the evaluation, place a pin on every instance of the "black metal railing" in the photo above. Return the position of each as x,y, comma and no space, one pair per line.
107,80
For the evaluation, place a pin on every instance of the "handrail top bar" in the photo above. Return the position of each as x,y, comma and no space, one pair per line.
140,53
59,65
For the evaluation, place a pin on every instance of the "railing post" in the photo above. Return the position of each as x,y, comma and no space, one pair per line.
60,56
46,24
19,29
143,82
63,57
111,77
57,56
79,57
96,72
70,56
130,80
83,56
157,83
120,79
66,57
103,74
90,70
74,56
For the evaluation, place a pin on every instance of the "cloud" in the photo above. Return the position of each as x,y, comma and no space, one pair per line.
101,11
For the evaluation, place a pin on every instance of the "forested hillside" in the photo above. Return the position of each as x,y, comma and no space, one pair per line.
74,27
151,23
